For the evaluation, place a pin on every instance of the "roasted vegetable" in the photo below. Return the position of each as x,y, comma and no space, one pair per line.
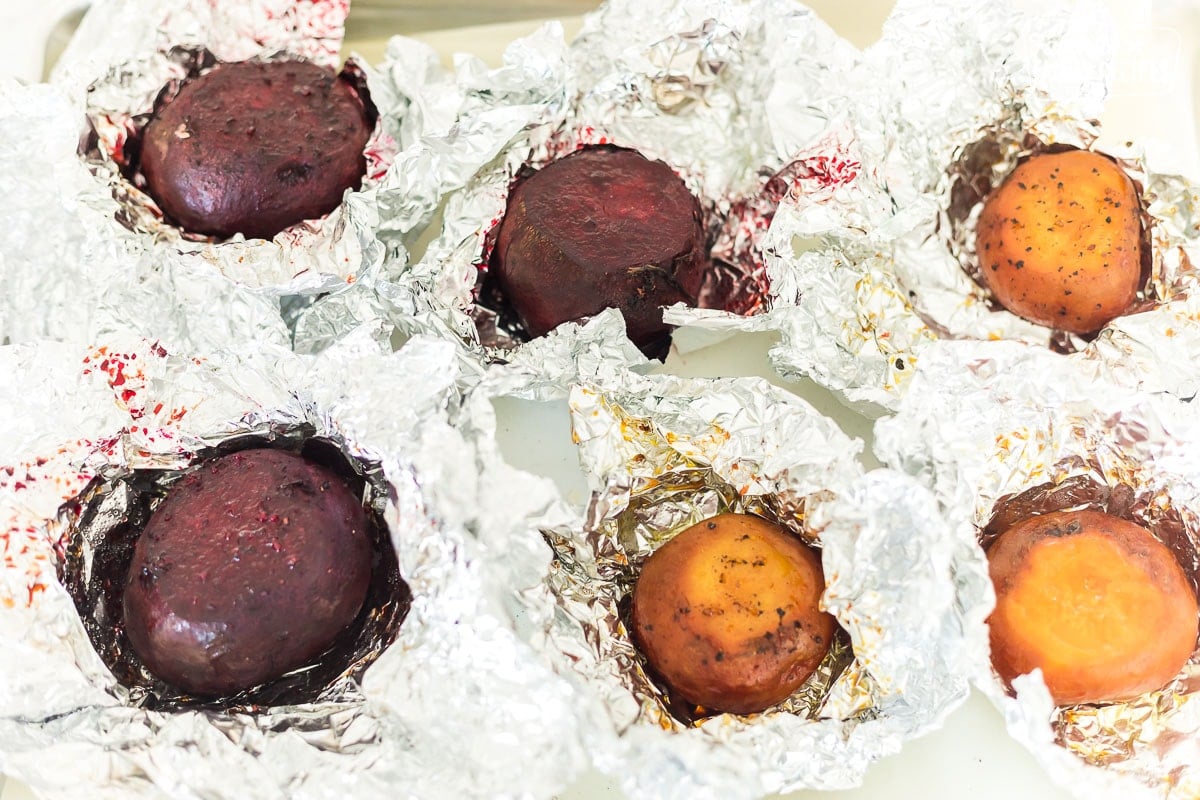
604,227
1094,601
728,614
250,568
1060,242
255,147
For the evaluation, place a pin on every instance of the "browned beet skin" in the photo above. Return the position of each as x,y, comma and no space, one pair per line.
251,567
255,147
604,227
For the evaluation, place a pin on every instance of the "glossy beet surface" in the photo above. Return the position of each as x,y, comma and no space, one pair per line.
251,567
604,227
256,147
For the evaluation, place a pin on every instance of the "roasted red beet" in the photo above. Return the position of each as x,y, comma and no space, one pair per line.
250,568
604,227
255,147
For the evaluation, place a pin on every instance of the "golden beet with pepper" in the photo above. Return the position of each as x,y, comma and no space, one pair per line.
728,614
1059,243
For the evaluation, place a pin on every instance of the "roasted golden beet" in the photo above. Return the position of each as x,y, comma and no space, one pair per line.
1099,604
1059,243
727,613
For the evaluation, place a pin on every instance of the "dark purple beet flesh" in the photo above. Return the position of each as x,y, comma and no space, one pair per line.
255,147
250,568
604,227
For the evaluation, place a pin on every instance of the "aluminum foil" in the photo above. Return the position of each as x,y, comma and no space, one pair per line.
910,592
871,257
130,62
456,706
716,89
988,426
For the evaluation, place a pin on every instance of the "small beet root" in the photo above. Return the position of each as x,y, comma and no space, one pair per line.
604,227
250,568
255,147
1059,242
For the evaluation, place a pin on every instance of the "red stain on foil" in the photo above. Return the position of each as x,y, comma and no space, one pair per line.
740,271
824,172
380,154
31,542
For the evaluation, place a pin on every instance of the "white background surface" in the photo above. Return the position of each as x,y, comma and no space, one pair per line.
971,757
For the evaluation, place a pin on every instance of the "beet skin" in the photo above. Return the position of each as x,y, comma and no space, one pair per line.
604,227
255,147
250,568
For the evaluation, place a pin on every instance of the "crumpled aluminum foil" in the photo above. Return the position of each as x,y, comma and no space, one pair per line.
981,423
85,244
714,88
910,591
870,260
457,706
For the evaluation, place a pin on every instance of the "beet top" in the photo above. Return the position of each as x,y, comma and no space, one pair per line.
604,227
250,568
255,147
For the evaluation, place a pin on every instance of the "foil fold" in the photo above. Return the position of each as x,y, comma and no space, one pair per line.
981,424
457,704
910,592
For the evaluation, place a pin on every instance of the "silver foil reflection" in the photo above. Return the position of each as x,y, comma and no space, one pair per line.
909,592
456,706
872,261
981,423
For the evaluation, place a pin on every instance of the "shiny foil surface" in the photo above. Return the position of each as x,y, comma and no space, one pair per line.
456,705
717,90
871,258
909,591
984,423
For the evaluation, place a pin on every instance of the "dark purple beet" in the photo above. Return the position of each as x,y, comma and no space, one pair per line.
250,568
255,147
604,227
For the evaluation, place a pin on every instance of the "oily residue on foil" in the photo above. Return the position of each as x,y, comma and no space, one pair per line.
105,522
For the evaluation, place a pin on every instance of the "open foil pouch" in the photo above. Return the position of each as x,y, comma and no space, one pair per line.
718,91
873,258
434,691
909,592
1002,431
